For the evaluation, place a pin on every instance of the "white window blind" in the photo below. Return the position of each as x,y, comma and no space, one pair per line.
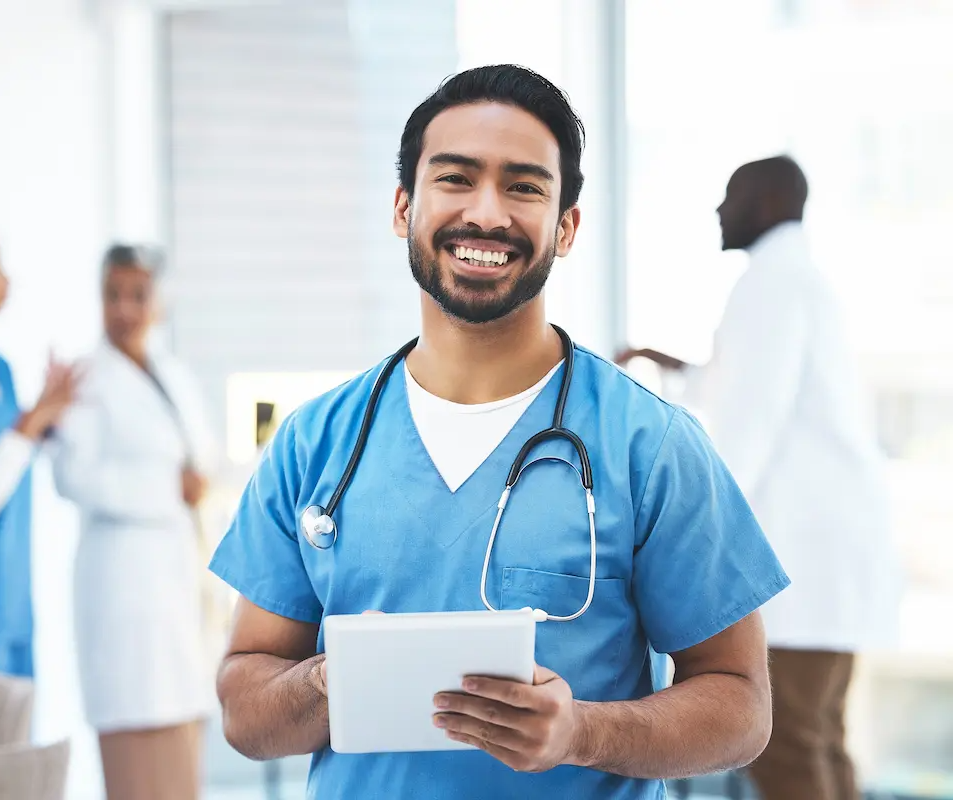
283,128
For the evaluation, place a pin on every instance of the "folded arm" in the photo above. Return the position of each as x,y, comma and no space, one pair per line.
101,482
272,686
716,716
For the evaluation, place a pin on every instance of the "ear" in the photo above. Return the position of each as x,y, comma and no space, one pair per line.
566,233
401,220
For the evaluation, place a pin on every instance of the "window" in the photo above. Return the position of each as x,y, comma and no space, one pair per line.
855,92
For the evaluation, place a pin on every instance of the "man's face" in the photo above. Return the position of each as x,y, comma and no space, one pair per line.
740,214
484,225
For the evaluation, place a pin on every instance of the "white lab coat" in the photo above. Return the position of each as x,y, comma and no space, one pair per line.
785,409
119,455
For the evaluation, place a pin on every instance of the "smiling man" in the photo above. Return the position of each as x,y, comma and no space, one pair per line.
489,179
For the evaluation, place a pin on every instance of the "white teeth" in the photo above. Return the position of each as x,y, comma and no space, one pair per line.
480,256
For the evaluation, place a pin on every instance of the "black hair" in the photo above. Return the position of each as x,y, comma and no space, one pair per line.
781,178
512,85
128,255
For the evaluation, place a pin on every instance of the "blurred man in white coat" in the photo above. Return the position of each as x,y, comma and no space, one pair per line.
782,403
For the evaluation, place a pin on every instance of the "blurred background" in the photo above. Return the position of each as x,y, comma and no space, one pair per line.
256,140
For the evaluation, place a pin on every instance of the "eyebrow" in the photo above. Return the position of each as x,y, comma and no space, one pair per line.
510,167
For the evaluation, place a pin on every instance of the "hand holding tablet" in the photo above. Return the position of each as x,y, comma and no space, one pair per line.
386,672
529,728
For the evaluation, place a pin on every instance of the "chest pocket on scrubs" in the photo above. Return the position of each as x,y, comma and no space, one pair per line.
541,560
590,652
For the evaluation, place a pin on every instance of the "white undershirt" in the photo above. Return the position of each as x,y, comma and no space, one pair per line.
459,437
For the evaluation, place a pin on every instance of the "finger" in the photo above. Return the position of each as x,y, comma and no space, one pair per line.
511,758
486,732
510,693
481,709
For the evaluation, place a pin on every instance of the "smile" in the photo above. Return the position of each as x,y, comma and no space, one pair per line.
478,257
485,256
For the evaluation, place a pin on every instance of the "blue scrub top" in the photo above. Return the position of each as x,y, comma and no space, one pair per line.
16,608
680,555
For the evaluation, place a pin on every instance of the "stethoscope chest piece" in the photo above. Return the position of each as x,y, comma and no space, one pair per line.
318,528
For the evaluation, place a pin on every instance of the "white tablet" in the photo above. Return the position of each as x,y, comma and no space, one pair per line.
384,670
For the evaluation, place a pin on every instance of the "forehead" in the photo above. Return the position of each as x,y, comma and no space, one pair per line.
494,133
127,276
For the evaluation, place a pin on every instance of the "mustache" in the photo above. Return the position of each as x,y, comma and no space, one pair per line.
520,244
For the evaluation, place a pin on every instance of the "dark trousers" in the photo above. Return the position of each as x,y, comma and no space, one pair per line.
806,758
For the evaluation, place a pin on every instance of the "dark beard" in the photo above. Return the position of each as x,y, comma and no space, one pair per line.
471,299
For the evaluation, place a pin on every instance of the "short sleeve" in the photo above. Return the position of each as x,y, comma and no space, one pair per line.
259,555
705,563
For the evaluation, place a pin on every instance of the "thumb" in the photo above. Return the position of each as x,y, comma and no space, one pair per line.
542,675
324,673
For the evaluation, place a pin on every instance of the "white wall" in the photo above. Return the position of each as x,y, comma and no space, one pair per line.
52,224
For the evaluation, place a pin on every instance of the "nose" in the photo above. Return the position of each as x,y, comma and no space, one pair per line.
486,209
127,312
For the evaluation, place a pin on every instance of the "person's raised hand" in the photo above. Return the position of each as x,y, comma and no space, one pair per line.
59,391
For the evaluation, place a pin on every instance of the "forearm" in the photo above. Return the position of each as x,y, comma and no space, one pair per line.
708,723
273,707
664,360
32,424
138,492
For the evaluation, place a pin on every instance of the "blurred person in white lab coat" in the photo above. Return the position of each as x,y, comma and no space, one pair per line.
21,433
134,452
781,400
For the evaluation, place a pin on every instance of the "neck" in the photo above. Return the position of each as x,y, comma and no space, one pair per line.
479,363
135,353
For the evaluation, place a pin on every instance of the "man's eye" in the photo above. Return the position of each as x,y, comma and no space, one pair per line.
525,188
458,180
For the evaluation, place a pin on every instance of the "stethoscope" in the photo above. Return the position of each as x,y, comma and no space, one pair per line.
319,528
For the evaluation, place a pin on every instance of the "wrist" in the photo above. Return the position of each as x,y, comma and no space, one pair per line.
31,424
581,747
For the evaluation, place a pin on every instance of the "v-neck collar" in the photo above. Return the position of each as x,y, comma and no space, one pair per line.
450,514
